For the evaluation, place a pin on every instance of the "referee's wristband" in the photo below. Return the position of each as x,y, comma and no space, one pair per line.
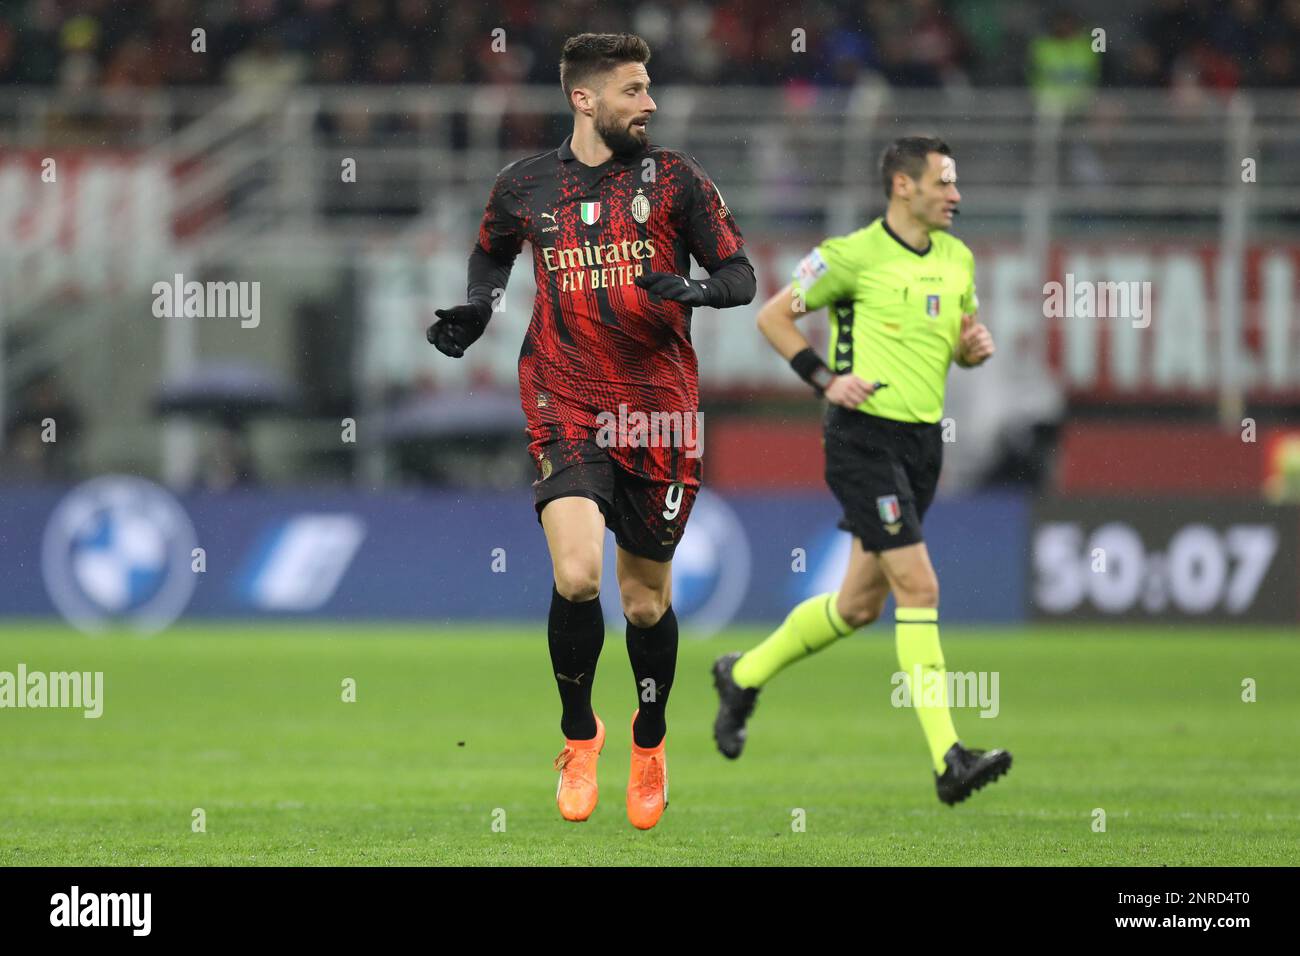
808,365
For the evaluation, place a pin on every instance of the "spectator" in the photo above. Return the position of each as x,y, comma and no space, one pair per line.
1170,27
41,434
1236,30
1277,65
8,52
1063,69
79,40
265,66
133,65
84,44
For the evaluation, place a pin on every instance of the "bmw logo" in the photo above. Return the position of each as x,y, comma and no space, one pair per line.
117,552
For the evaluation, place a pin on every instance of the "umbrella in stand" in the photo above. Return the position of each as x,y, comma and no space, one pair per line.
468,440
229,392
455,415
232,394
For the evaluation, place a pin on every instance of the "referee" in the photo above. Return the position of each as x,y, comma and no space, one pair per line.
901,298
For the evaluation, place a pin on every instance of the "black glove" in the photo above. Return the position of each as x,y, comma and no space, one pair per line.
669,285
458,328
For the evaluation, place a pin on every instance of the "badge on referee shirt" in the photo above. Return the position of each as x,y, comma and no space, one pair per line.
890,513
932,306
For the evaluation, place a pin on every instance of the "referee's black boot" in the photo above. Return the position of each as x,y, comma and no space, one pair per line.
735,704
968,771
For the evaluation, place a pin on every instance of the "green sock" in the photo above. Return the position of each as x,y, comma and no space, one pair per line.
808,628
916,634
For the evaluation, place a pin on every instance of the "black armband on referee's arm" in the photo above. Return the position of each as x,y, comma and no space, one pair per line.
810,367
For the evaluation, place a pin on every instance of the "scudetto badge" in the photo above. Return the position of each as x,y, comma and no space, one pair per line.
640,207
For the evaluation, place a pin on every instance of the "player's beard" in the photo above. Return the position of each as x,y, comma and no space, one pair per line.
620,139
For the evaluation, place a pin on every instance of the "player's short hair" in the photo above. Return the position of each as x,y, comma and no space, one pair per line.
908,155
590,54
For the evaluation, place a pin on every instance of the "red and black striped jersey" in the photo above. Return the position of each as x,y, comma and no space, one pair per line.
596,341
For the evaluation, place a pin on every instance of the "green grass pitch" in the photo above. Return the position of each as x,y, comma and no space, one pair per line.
450,726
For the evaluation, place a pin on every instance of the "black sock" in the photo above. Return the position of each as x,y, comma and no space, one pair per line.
576,633
653,653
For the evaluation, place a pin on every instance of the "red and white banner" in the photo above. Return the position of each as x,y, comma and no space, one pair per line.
81,222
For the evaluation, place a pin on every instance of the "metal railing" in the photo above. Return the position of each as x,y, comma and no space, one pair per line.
781,153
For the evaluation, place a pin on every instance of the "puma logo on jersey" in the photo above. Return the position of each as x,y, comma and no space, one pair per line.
553,228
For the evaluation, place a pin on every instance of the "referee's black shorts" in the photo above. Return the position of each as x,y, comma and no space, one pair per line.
884,474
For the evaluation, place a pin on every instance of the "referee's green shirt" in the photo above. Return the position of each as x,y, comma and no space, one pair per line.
895,313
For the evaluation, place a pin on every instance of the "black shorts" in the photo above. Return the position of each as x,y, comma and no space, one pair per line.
884,474
646,515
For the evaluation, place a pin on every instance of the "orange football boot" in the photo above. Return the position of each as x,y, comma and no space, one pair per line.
576,792
647,784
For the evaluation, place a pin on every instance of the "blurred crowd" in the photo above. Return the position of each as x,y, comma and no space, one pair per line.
113,44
